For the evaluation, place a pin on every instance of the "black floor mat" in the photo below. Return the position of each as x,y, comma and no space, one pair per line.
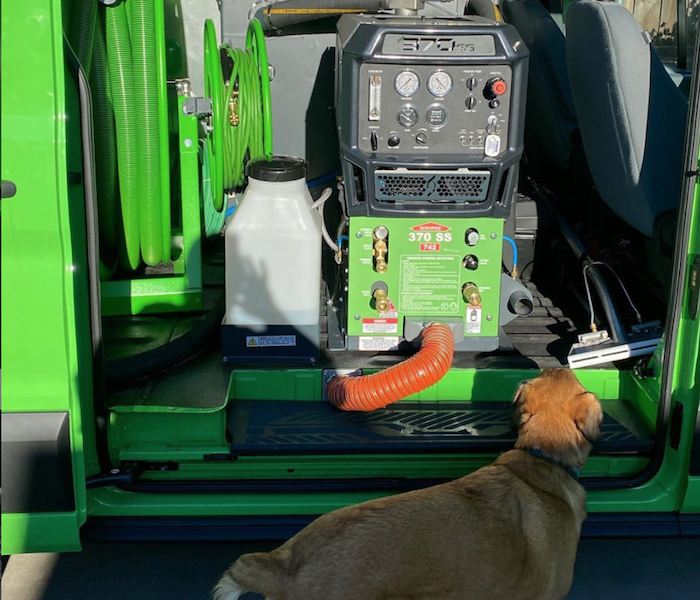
298,427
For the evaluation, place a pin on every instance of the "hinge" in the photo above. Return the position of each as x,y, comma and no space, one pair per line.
676,425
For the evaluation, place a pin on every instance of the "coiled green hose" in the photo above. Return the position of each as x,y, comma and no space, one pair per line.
145,73
122,84
213,88
105,149
247,94
163,132
81,33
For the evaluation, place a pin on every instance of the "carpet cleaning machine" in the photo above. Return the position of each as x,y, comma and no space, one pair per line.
430,115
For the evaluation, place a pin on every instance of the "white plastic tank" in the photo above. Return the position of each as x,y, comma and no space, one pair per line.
273,251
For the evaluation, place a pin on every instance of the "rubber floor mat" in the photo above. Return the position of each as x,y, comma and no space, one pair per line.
267,427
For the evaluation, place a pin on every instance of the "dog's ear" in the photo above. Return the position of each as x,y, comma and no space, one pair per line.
588,416
521,410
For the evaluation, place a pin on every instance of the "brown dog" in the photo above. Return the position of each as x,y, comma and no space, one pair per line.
506,532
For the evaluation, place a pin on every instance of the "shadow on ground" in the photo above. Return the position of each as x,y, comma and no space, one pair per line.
606,569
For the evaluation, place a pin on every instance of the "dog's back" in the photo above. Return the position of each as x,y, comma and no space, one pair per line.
508,531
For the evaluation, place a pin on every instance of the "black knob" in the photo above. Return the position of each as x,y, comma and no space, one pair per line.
471,262
421,138
471,83
470,102
393,140
373,140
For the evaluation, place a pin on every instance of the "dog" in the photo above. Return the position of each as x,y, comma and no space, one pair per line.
508,531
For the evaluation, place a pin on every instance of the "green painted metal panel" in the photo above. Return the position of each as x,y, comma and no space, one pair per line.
44,532
46,346
457,385
424,274
688,374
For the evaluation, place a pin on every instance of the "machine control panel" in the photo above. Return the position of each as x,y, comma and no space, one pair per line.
405,271
430,114
441,110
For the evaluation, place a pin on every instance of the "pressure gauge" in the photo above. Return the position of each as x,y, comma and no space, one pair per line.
407,83
439,83
407,115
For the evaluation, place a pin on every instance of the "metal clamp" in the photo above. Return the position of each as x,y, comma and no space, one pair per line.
197,106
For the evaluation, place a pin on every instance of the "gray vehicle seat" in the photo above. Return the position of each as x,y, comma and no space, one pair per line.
631,114
550,119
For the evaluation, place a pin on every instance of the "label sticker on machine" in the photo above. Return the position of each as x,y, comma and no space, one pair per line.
473,320
378,344
429,283
380,325
270,341
392,313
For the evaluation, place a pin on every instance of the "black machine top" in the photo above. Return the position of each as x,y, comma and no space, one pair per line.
430,114
276,169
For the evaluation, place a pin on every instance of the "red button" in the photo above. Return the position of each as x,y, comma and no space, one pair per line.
499,87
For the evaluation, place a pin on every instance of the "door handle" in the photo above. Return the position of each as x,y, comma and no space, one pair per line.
9,189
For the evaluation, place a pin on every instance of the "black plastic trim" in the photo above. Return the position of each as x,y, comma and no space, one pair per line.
37,469
695,450
279,528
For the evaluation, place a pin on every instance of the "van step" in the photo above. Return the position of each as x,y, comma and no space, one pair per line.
268,427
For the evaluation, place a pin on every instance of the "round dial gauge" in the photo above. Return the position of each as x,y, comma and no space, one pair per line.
407,115
439,83
406,83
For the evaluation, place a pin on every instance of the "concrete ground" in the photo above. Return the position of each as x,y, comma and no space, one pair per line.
634,569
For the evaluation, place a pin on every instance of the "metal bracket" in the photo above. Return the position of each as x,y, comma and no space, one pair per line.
197,106
329,374
593,338
649,326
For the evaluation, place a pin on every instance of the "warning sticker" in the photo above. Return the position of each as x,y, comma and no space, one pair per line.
270,341
429,283
378,344
473,320
380,325
392,313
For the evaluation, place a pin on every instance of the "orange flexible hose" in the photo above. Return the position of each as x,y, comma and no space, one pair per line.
422,370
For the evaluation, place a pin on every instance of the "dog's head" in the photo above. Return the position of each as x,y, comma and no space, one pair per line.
556,414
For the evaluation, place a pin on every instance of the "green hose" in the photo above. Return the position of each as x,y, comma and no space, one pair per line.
214,220
145,72
255,40
81,33
65,16
213,88
163,128
121,79
105,148
241,108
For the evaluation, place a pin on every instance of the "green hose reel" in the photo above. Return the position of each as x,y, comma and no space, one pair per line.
240,125
122,48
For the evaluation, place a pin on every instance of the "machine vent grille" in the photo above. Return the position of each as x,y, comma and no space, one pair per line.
403,185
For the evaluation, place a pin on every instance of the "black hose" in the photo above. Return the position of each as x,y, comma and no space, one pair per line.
131,368
482,8
295,12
